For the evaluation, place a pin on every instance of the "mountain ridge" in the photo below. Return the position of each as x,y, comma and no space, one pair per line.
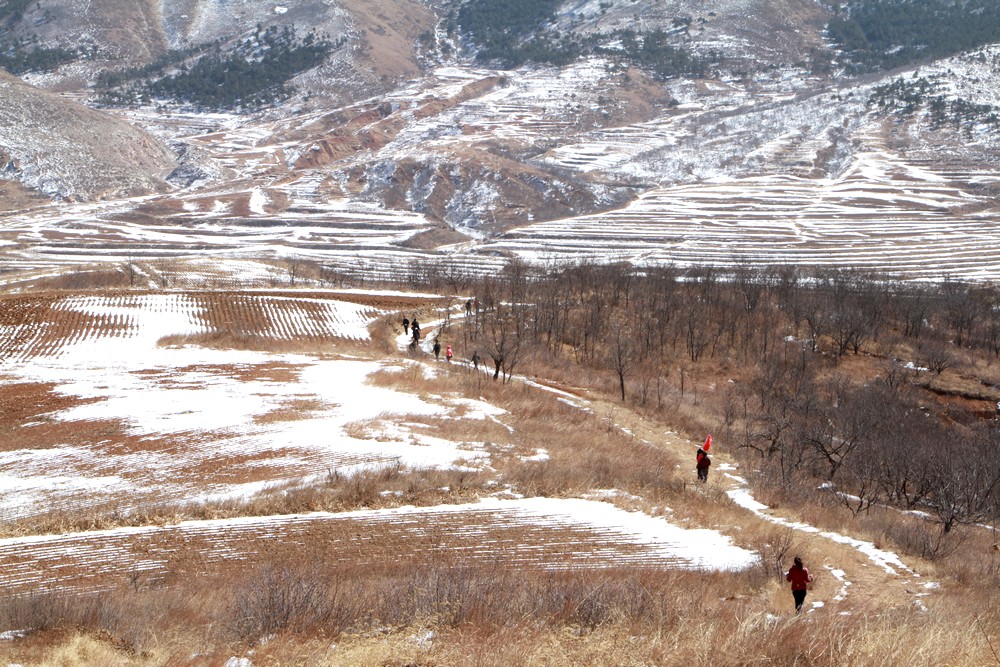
404,117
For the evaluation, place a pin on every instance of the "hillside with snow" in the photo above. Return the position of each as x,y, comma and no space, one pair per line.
403,148
64,150
271,447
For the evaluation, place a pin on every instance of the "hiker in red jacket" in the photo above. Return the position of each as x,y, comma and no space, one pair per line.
800,578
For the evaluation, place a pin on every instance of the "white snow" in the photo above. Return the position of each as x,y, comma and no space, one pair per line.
633,536
258,200
887,560
840,576
212,405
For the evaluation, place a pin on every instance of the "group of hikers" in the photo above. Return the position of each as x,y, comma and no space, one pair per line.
437,351
798,575
411,328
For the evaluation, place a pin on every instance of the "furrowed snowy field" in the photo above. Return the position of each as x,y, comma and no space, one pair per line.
882,215
110,406
149,423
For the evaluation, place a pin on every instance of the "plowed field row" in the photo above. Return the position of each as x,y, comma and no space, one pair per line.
540,532
45,326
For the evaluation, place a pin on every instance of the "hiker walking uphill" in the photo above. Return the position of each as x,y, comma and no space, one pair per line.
448,354
800,578
406,326
702,462
437,349
415,328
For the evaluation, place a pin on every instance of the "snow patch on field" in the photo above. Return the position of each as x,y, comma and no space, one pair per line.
258,200
622,537
217,406
180,391
840,576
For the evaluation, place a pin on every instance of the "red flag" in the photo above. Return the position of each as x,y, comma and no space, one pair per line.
708,443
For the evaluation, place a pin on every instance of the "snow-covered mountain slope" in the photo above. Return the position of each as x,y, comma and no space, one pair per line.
67,151
380,36
752,31
402,147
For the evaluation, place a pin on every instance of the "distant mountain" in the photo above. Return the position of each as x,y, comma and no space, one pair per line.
485,115
109,36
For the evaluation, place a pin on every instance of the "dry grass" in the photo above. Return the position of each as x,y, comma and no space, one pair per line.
292,410
228,340
87,279
385,487
445,615
446,611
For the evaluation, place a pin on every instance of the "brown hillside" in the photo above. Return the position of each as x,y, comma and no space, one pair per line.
67,150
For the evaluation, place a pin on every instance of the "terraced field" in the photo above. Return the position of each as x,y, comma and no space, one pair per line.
775,170
113,406
122,405
547,533
40,326
917,221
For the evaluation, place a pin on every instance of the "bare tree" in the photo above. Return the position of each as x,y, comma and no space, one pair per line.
623,358
966,479
896,376
913,305
936,356
131,270
844,422
502,326
767,414
854,312
294,267
962,310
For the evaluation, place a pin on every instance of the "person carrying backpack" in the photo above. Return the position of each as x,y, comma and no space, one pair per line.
702,463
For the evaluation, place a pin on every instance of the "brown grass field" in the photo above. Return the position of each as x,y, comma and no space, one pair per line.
378,568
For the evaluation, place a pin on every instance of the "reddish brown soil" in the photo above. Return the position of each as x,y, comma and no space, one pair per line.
108,559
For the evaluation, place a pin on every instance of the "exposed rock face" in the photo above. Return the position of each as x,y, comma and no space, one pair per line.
66,150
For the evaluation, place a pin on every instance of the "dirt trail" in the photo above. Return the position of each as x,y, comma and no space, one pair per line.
847,578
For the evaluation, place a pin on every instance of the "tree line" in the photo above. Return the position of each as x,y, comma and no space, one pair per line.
24,56
882,34
801,414
510,33
250,74
906,97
